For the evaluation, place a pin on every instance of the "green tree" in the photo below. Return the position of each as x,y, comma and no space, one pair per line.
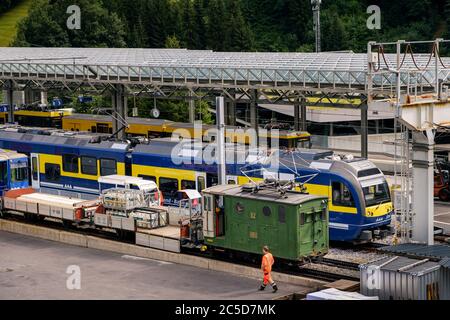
238,36
172,42
215,26
46,25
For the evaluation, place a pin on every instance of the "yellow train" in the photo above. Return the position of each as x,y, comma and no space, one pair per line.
30,118
157,128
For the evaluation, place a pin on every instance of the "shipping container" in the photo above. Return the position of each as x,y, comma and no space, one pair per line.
401,278
445,279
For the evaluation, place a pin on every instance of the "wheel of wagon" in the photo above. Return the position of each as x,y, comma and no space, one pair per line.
121,234
444,195
4,214
67,224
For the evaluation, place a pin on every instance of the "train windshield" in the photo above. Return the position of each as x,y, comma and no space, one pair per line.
377,194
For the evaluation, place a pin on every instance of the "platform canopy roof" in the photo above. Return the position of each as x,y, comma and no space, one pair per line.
181,66
346,60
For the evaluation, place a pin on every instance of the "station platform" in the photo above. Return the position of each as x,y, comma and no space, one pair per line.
442,216
32,268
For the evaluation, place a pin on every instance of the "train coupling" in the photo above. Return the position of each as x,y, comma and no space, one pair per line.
379,233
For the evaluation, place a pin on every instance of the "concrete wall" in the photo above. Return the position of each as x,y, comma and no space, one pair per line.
378,143
19,97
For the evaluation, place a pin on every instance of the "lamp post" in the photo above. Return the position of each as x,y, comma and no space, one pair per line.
316,18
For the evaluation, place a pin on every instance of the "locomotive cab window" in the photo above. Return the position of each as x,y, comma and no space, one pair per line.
108,167
89,166
342,195
52,171
19,173
70,163
377,194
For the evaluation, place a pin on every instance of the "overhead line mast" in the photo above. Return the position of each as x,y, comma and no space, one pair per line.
316,18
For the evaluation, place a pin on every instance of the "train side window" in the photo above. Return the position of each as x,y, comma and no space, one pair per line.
342,195
3,173
89,166
108,167
187,185
267,211
168,187
148,178
239,207
201,183
70,163
19,174
281,214
102,128
52,171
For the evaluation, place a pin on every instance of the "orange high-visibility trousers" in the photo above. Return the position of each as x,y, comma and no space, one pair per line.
266,267
267,278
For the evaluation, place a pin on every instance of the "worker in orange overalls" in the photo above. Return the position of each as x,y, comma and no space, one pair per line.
266,267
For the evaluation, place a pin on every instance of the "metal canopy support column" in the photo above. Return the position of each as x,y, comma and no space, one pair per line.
231,112
303,126
44,97
220,119
297,124
119,104
10,100
423,181
364,131
29,96
191,107
253,110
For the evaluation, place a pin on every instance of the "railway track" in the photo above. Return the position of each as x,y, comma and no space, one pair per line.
340,263
287,269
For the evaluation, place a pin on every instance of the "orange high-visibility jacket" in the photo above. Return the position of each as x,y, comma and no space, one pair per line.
267,263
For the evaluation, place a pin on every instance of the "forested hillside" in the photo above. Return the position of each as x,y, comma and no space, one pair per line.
5,5
231,25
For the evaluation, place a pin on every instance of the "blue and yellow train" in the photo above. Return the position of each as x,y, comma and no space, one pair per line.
13,171
69,164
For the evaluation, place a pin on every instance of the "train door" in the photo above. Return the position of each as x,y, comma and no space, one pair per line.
200,181
35,178
208,215
212,180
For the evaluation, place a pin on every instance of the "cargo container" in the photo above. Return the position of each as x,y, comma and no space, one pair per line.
401,278
445,279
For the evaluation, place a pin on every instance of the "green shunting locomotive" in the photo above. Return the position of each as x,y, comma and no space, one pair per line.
246,218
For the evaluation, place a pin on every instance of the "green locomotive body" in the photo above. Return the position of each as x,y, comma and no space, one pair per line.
293,225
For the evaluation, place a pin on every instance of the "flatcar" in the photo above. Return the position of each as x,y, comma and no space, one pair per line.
233,219
152,128
65,165
359,198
